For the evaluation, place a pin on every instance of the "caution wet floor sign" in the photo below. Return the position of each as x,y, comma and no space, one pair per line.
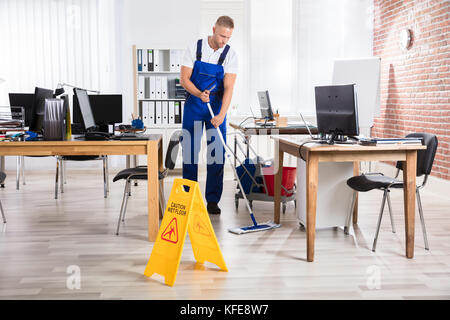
185,212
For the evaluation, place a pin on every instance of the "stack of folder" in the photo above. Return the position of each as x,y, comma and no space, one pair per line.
154,60
161,113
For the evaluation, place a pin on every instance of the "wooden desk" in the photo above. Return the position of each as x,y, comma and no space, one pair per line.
152,148
315,153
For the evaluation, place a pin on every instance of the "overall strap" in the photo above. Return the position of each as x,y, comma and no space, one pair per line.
199,50
223,55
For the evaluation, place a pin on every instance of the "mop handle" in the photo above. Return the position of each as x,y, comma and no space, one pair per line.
234,169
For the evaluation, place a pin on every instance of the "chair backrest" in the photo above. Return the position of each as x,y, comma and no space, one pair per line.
425,158
172,149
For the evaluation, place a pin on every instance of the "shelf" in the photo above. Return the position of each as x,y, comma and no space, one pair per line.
153,72
162,99
166,126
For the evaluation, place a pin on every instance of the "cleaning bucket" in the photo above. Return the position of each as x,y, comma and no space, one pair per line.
287,180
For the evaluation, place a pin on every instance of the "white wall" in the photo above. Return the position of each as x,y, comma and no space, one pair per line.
154,23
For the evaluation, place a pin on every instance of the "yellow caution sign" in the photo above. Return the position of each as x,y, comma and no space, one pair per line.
185,211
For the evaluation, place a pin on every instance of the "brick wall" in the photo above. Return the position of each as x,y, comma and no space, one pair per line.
415,83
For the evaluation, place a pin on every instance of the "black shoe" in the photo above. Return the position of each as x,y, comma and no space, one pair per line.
213,208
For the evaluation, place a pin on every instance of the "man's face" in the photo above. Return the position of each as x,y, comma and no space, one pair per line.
221,35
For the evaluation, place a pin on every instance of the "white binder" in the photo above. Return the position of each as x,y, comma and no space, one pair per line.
171,112
158,112
141,84
144,60
182,110
165,108
151,113
156,64
164,93
173,60
179,57
158,88
152,87
145,113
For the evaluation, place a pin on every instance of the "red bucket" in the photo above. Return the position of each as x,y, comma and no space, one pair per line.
287,180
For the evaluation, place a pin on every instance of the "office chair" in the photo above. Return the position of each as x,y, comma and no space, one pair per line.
140,173
370,181
61,172
2,178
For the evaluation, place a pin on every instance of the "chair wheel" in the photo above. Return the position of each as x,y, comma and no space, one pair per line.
2,185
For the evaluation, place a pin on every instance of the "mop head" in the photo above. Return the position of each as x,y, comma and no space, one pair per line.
254,228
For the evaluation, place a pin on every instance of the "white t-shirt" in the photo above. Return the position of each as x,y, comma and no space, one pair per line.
230,64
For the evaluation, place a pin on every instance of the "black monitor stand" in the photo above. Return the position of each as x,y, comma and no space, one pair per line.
103,127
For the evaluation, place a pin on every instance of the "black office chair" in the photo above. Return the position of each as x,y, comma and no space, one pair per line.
370,181
61,172
2,178
140,173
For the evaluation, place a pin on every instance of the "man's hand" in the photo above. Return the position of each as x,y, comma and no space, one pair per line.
218,120
204,96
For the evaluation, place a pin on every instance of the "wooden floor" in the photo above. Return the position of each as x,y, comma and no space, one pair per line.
43,237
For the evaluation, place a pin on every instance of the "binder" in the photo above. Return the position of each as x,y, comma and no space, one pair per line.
144,60
151,113
147,88
158,87
139,59
165,109
164,94
145,113
173,60
158,112
181,110
177,112
171,112
150,59
152,87
156,62
178,60
141,80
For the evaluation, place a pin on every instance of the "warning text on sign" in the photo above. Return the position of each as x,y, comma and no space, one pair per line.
177,208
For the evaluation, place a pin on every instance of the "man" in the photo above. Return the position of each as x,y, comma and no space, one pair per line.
208,74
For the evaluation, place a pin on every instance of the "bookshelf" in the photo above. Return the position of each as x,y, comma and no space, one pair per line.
158,95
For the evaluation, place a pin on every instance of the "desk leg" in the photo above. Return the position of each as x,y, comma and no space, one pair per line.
160,168
312,175
409,193
153,191
355,207
279,155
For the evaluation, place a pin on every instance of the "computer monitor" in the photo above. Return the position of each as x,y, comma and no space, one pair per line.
337,111
106,108
37,114
85,108
24,100
264,104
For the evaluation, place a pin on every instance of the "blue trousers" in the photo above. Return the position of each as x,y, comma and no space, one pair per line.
195,117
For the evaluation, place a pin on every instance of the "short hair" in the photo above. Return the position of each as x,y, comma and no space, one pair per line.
225,21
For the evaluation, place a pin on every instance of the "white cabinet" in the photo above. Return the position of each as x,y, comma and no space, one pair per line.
334,197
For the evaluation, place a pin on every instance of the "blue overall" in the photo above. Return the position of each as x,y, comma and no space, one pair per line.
196,114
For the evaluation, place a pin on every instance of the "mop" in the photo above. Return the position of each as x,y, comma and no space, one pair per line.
255,227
